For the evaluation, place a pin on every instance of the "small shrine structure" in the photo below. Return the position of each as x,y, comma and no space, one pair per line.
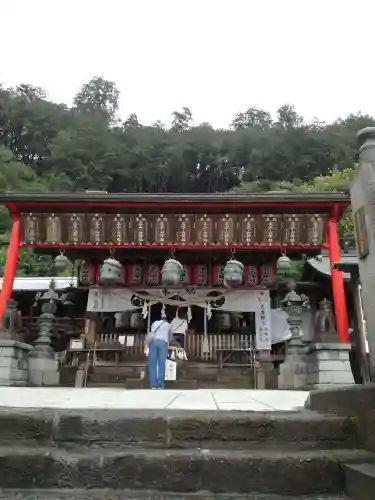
123,243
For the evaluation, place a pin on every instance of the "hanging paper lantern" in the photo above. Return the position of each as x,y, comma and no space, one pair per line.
251,275
233,272
61,262
153,275
134,274
267,275
200,275
186,275
217,277
123,275
86,274
172,272
110,272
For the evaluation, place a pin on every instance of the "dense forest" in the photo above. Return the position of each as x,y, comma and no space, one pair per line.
46,146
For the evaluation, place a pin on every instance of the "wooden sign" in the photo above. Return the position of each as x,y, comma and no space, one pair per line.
361,232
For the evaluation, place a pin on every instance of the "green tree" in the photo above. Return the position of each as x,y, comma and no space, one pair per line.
181,119
288,117
337,181
30,92
98,96
253,117
131,122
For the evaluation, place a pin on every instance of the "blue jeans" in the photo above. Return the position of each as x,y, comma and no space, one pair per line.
157,355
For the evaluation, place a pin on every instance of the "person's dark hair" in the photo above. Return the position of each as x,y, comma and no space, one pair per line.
169,316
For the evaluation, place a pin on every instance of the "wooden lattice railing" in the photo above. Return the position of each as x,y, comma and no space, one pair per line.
193,344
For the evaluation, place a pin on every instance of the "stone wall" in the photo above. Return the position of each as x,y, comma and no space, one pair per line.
356,402
14,363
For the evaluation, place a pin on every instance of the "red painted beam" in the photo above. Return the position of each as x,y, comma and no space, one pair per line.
128,246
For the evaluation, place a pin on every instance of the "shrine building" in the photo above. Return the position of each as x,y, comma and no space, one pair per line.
108,315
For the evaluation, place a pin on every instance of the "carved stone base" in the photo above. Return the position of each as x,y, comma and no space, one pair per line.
294,372
43,372
265,373
329,365
326,338
14,363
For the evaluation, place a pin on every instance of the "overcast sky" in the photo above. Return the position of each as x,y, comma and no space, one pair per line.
216,56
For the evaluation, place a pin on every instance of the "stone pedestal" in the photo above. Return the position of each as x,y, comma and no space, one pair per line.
294,372
43,372
329,365
14,363
80,377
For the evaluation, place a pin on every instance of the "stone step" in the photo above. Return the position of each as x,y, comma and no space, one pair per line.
360,481
280,472
177,429
104,380
145,495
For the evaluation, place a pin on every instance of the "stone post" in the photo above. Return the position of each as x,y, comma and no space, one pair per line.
362,192
293,372
43,367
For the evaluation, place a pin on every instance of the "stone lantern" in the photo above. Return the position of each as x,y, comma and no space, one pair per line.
172,272
43,368
49,295
293,305
233,273
46,321
110,272
294,372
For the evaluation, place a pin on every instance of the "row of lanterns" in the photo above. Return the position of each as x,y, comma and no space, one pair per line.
171,273
172,270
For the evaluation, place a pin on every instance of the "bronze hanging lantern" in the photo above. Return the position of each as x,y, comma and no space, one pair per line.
233,272
283,264
172,272
61,262
110,271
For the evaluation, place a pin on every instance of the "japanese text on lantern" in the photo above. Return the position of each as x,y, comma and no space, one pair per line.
161,230
53,229
30,228
248,230
204,233
225,230
184,229
119,229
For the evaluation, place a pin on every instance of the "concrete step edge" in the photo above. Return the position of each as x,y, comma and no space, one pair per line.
366,468
219,471
100,494
360,480
81,452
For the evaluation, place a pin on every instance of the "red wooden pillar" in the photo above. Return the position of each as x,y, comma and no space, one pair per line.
11,263
338,289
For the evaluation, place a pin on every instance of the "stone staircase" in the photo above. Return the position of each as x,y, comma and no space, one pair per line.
113,455
190,376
